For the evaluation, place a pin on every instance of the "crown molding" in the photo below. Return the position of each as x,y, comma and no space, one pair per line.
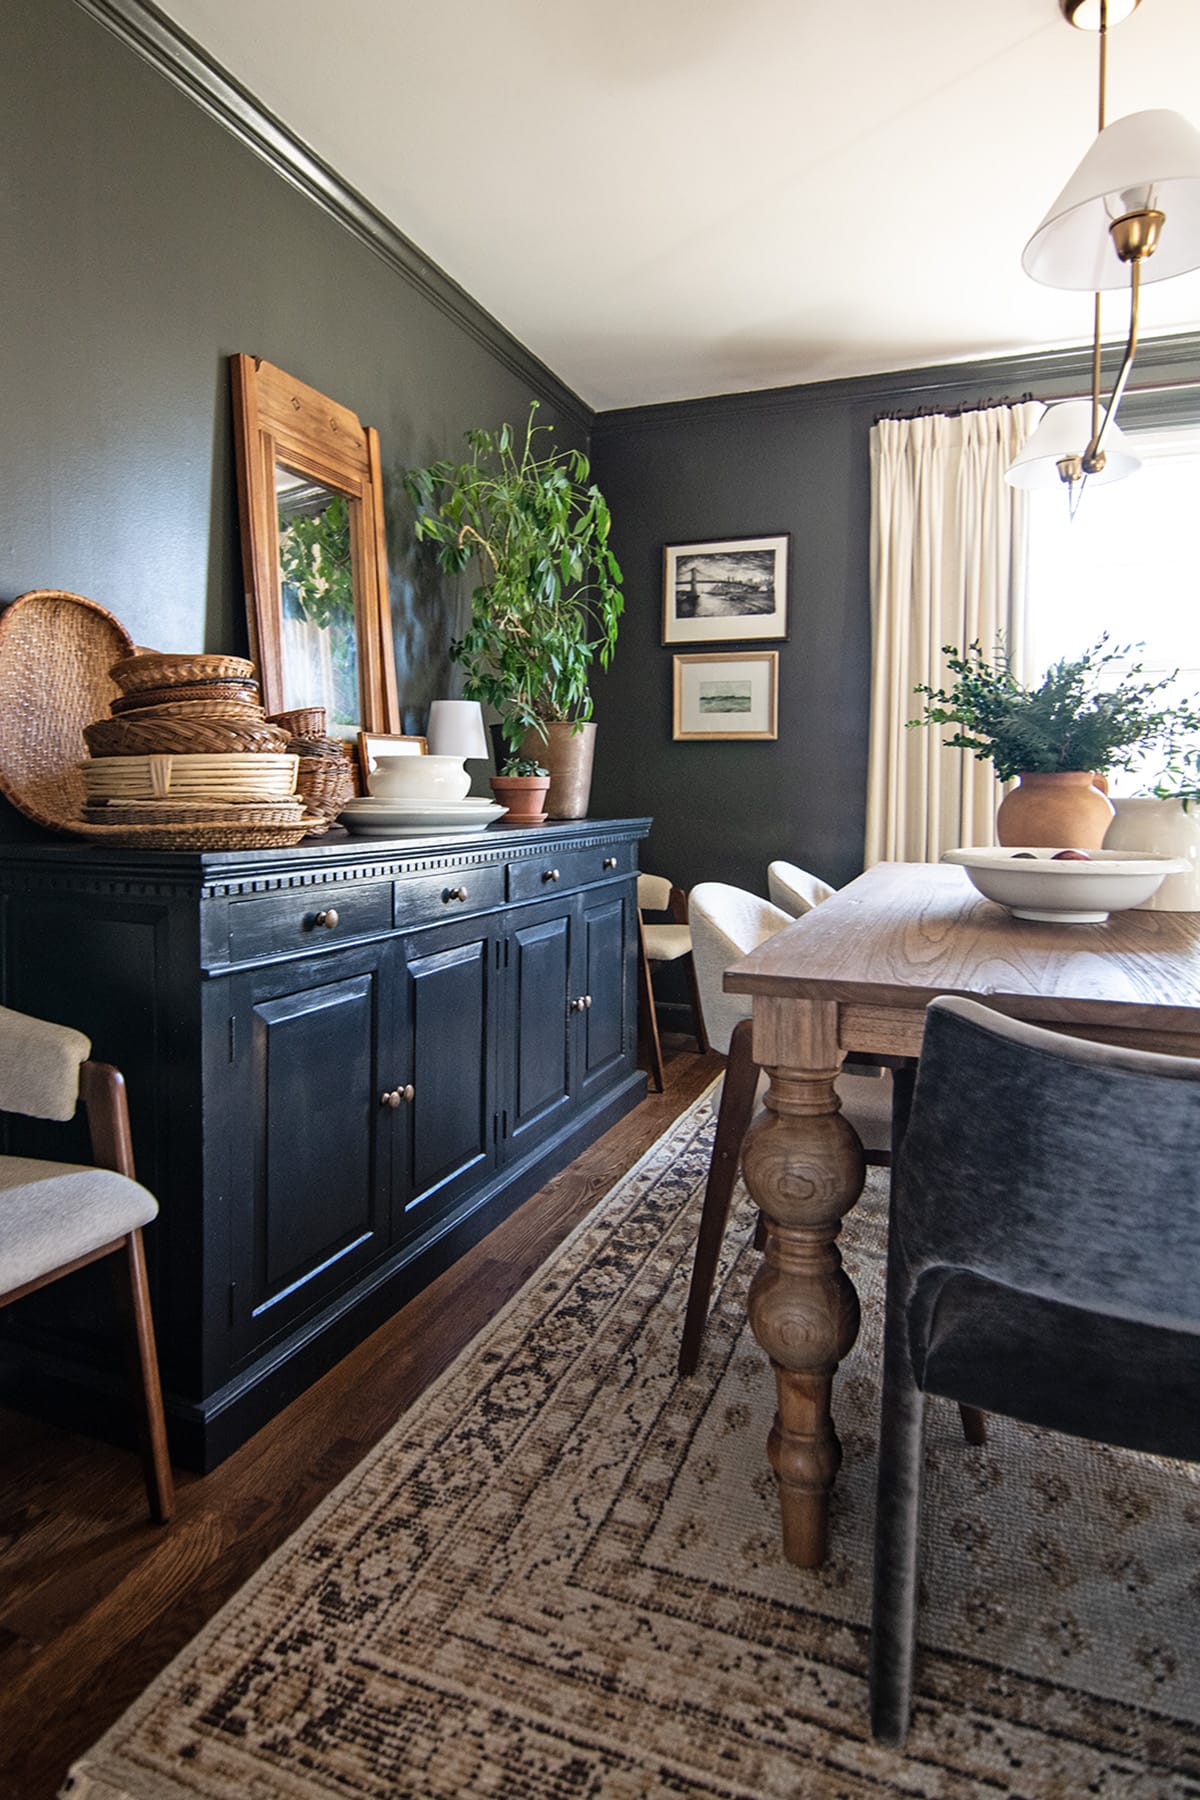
189,68
1168,370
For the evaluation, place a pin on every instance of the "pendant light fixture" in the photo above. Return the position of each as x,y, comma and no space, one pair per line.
1129,214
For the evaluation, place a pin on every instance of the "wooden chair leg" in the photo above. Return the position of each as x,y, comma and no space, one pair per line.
904,1077
134,1295
650,1048
733,1119
702,1043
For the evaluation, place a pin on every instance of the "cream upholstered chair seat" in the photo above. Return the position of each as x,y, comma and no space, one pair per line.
55,1217
794,890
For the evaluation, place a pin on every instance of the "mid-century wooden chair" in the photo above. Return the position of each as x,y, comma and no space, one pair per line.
56,1217
662,944
1042,1258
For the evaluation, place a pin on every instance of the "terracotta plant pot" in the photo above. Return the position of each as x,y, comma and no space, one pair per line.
524,796
567,754
1064,810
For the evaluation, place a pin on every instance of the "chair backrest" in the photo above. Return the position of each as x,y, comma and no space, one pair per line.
653,893
1058,1167
795,890
727,923
39,1066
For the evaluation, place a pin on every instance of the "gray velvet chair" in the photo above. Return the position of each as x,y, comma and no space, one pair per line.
1043,1262
57,1217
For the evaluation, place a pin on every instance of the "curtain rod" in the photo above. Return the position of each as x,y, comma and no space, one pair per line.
954,412
1186,383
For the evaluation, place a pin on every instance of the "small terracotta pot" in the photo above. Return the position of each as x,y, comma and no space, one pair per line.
524,796
1063,810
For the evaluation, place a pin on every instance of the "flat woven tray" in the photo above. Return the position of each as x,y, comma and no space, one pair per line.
56,650
207,836
195,812
245,691
165,668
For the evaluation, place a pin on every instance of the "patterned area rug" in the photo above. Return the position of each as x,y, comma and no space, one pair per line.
559,1578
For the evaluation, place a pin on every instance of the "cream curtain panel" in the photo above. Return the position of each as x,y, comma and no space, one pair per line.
948,551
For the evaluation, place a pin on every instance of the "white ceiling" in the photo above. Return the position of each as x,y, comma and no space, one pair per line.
670,198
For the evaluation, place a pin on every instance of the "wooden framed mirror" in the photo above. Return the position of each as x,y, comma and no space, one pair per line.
310,498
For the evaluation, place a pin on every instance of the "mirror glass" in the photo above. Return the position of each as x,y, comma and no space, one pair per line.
316,568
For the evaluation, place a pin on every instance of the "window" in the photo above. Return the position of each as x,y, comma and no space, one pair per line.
1129,564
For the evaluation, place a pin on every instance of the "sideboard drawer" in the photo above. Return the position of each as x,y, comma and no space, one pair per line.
534,876
429,899
273,924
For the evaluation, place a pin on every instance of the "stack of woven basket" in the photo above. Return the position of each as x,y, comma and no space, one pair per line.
325,774
188,757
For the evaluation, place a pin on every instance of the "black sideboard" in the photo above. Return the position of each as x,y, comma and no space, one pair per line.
345,1062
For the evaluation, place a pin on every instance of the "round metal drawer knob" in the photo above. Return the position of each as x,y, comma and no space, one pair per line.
550,875
328,918
454,893
391,1098
610,862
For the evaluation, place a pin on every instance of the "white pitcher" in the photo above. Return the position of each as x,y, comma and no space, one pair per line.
1166,827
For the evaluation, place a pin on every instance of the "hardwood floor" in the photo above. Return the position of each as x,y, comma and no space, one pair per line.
94,1600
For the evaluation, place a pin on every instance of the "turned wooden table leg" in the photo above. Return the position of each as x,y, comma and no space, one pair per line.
804,1167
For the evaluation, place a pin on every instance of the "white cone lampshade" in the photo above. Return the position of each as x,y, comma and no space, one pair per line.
456,729
1066,430
1145,159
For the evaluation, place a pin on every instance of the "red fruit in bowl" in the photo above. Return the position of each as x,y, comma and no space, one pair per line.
1070,856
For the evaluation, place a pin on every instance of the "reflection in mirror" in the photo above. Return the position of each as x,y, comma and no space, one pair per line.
319,644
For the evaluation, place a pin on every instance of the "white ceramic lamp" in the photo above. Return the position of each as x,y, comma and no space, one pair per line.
456,729
1066,430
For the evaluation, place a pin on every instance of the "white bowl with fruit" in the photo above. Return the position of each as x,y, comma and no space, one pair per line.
1064,887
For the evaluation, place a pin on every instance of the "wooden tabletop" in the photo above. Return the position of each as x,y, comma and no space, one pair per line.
904,932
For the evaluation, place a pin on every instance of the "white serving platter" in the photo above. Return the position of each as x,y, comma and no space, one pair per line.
1033,885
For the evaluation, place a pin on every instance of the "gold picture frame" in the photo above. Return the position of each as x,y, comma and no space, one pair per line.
726,694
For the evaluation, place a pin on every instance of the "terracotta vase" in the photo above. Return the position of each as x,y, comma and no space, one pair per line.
524,796
1064,810
568,755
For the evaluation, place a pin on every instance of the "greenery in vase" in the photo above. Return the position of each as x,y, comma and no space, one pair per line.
1081,715
517,766
548,597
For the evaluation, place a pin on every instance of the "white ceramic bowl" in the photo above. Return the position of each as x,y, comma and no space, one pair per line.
419,778
1033,886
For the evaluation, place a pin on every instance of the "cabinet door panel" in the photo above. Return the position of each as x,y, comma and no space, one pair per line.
540,973
449,1119
606,1038
310,1178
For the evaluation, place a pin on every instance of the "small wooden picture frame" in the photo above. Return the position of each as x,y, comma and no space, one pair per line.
730,590
727,694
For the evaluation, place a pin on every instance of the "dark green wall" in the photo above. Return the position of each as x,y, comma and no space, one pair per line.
142,244
792,460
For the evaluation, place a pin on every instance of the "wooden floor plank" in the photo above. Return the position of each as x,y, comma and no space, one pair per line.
94,1600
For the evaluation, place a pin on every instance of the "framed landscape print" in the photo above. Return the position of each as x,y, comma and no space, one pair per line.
727,694
732,589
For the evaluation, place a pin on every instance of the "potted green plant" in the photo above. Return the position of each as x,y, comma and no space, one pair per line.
522,784
548,599
1087,716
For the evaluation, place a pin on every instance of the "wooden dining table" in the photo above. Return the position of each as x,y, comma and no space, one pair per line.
857,974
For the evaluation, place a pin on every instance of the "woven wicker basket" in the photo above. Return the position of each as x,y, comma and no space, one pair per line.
161,668
56,649
207,836
196,812
301,721
219,777
144,736
325,784
244,691
230,712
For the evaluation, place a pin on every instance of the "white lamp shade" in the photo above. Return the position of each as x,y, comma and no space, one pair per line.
1144,159
456,729
1066,430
